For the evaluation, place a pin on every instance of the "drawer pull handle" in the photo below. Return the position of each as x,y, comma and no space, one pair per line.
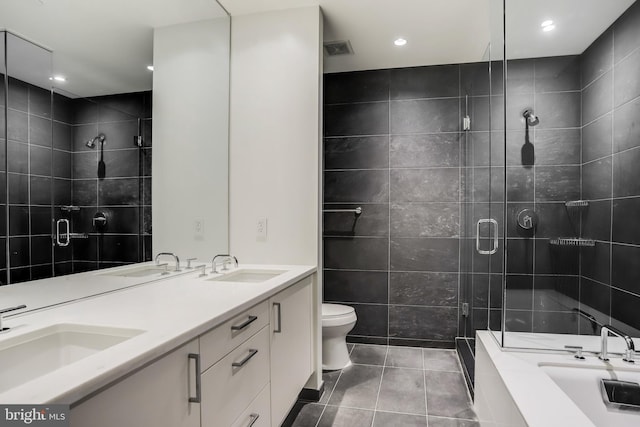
278,329
198,397
252,419
244,324
240,364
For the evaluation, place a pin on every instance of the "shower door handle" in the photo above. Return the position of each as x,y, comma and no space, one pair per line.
493,226
67,237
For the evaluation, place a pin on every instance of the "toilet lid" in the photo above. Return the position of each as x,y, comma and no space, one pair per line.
336,310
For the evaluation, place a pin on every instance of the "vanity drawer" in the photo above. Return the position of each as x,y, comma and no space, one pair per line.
229,386
216,343
258,414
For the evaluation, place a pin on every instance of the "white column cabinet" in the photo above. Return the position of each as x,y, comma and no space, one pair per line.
157,395
291,346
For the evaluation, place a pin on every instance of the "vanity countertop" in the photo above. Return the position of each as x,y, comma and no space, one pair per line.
70,288
171,312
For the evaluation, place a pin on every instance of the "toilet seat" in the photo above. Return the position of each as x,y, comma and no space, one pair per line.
337,315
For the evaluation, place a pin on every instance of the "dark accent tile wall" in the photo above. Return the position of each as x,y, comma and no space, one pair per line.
48,156
119,193
610,273
393,146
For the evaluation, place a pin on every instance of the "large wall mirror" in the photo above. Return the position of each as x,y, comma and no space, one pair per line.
76,137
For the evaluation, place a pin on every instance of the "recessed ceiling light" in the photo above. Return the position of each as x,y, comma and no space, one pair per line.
547,25
400,42
58,78
150,67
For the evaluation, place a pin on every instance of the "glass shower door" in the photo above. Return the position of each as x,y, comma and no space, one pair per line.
3,163
28,161
543,184
483,175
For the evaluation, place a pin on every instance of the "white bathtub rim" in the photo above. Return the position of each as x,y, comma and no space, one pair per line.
523,379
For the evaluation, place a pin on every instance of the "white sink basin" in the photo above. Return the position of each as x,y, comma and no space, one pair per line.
40,352
248,276
146,270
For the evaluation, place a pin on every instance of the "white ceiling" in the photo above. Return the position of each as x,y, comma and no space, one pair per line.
448,31
578,24
103,46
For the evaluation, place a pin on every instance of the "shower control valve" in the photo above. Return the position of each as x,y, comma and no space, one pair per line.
527,219
99,220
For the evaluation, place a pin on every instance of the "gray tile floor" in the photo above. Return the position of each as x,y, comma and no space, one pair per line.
392,387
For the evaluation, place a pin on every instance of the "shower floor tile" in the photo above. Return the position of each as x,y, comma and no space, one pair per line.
391,386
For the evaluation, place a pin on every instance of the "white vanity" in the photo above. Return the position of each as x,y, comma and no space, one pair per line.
224,350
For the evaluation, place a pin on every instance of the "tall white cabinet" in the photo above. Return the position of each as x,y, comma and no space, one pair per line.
291,346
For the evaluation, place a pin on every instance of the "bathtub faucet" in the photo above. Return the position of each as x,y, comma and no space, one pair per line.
604,335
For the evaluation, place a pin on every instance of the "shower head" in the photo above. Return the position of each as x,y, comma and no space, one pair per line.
530,118
92,142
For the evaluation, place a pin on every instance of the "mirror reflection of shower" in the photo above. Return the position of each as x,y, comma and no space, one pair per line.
527,152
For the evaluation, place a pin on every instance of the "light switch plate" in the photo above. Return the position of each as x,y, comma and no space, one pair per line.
261,228
198,227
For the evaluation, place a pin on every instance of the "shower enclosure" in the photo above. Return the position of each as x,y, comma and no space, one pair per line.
67,207
551,180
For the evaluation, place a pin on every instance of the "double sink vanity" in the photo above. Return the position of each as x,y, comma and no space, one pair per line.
147,345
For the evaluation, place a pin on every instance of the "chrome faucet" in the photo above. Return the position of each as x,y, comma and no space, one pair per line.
175,257
6,310
604,334
224,264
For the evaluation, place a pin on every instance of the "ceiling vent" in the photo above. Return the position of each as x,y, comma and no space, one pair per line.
340,47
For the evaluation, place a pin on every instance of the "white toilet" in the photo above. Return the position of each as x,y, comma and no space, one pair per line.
337,321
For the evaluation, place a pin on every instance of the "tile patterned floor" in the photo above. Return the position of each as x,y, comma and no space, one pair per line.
392,387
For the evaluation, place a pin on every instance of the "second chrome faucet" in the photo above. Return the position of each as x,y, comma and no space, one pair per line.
226,260
604,335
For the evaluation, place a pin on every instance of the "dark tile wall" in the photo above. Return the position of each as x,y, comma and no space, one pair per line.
610,271
45,163
39,170
393,146
116,191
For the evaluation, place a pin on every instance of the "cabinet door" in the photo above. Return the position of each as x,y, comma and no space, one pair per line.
291,362
157,395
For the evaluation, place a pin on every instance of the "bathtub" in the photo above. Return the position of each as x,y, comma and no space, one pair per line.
519,388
